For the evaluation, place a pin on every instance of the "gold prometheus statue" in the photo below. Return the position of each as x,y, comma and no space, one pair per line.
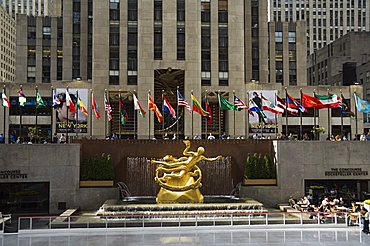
180,178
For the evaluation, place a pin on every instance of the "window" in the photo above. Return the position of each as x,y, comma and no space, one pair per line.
278,37
291,37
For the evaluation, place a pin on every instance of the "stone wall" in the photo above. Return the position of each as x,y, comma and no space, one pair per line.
299,161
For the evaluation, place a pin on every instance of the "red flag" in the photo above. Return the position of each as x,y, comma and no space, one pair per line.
94,106
70,104
153,107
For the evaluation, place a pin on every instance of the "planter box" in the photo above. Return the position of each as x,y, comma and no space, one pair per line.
259,182
97,183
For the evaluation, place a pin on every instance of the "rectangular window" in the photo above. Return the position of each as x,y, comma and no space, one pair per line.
278,37
114,42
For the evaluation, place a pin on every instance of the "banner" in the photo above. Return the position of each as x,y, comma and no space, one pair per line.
76,123
267,119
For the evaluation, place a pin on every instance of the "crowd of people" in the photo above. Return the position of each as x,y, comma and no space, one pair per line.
327,207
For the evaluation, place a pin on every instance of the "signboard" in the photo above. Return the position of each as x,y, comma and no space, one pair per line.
12,174
346,172
77,122
266,121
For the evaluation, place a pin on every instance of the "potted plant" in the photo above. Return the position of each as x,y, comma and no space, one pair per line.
259,170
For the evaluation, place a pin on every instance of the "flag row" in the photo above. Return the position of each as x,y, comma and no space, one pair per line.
257,103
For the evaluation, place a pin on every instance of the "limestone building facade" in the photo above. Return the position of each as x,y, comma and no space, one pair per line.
7,47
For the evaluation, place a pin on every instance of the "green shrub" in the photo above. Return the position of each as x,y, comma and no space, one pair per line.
96,168
259,167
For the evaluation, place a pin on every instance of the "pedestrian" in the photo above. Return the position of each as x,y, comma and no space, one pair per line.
2,139
62,139
365,215
55,138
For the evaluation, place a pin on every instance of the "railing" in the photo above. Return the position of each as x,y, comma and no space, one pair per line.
182,220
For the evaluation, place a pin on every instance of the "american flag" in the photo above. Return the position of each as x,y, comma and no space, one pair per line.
108,108
239,103
182,102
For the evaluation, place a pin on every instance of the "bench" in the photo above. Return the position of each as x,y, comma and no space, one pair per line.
284,207
65,215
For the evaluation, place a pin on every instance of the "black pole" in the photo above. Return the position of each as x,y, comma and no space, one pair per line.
300,120
91,118
261,122
37,133
276,121
20,117
234,113
341,115
135,115
329,125
4,91
247,116
76,129
67,128
206,119
314,120
51,115
106,113
286,112
163,114
356,117
192,121
149,114
177,112
219,115
119,114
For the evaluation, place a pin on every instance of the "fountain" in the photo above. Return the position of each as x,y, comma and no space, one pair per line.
180,185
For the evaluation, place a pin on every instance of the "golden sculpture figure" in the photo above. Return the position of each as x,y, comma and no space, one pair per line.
180,178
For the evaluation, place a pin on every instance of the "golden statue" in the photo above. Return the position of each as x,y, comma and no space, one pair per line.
179,178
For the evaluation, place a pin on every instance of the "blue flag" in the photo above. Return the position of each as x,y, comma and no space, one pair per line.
362,105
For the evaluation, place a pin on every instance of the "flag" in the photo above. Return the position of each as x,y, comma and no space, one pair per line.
56,100
281,104
69,103
344,108
138,108
209,111
153,107
182,102
123,114
39,102
292,103
5,100
22,98
254,108
95,106
81,106
320,102
362,105
197,107
269,106
239,104
107,108
168,108
225,104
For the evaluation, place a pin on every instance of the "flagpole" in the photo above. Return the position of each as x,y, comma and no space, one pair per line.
91,118
286,111
51,115
135,130
276,121
219,115
314,119
356,116
106,114
20,117
300,118
119,113
192,119
261,123
177,112
234,112
149,114
78,108
4,91
341,115
67,108
163,118
36,140
329,130
247,116
206,119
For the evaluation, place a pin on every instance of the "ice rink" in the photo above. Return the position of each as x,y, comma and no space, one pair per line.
193,236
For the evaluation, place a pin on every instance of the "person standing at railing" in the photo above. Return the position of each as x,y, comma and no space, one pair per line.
365,215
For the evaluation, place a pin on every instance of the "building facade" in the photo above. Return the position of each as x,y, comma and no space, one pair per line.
327,20
128,46
31,7
7,47
287,46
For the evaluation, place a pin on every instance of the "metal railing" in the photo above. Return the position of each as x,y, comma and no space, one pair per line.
183,220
